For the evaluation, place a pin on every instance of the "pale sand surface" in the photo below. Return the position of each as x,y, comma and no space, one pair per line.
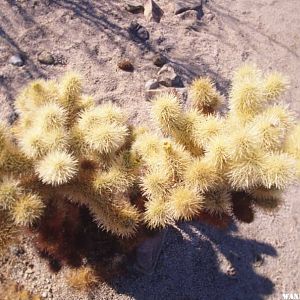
90,37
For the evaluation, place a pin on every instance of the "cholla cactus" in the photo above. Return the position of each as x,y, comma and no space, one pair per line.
63,147
251,152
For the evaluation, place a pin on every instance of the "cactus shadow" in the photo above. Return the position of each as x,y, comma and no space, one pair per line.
203,263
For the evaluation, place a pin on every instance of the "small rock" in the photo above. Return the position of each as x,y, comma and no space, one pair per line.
190,15
168,77
258,260
151,84
181,6
125,65
231,271
159,60
44,294
46,58
152,11
138,32
16,60
134,8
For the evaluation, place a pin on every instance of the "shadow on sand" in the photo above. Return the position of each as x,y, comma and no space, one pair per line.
189,268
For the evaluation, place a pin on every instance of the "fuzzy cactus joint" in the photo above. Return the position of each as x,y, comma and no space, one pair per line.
85,183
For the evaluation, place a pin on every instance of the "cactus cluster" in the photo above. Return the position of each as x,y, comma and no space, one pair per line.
215,161
203,159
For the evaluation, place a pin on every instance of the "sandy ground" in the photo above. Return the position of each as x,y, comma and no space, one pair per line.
257,261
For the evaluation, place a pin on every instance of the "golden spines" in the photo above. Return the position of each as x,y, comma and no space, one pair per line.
285,116
274,85
111,113
35,142
246,99
202,174
37,93
243,144
103,128
14,162
247,72
292,142
86,102
70,90
217,202
10,191
272,125
27,209
57,167
269,131
156,213
8,231
206,129
167,113
184,203
117,216
107,138
115,180
246,96
245,172
155,183
245,159
104,113
292,146
185,136
31,142
175,159
278,170
4,136
50,116
147,145
217,152
77,143
205,98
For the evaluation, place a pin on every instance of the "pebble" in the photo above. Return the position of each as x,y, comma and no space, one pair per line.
125,65
134,8
44,294
159,60
258,260
46,58
152,12
181,6
190,15
231,271
138,32
168,77
151,84
16,60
